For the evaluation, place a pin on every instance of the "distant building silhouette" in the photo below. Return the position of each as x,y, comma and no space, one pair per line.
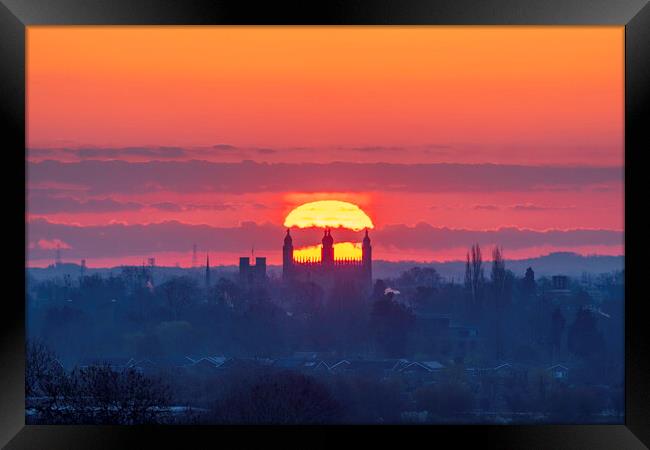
252,276
560,282
329,270
529,284
151,263
57,256
207,270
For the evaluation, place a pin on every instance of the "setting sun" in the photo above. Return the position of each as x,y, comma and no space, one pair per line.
329,214
342,250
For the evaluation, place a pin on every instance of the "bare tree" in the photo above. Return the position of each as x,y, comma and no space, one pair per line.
474,278
92,395
498,278
45,381
498,275
106,396
41,368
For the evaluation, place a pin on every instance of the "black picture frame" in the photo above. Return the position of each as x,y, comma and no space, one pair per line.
15,15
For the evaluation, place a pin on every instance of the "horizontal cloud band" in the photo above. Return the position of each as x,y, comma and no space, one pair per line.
105,177
117,240
50,204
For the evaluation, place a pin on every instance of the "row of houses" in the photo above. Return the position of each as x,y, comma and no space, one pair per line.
307,362
301,363
557,372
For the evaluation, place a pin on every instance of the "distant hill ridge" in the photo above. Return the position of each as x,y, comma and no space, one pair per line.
566,263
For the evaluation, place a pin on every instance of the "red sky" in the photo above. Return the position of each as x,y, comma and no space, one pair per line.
472,129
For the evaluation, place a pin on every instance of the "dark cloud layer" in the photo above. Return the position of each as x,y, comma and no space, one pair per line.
105,177
44,204
521,207
531,207
225,147
118,240
424,236
376,149
111,153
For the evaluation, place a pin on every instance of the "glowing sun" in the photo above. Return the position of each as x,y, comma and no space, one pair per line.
342,250
329,214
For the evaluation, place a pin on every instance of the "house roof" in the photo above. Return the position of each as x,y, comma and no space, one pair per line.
216,361
433,365
342,363
208,362
144,363
400,364
321,365
428,366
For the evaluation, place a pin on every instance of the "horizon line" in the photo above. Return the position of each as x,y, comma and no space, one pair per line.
486,260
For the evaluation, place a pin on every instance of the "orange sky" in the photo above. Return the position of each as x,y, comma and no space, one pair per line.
261,97
327,86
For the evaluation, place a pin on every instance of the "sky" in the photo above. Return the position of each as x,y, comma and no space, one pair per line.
143,141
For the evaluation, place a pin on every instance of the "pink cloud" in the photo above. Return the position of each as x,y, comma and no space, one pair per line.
51,244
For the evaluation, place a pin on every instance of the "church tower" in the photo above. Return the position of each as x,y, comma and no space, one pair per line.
287,256
207,271
327,252
366,260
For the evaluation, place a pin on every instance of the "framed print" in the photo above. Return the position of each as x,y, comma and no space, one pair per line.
362,217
